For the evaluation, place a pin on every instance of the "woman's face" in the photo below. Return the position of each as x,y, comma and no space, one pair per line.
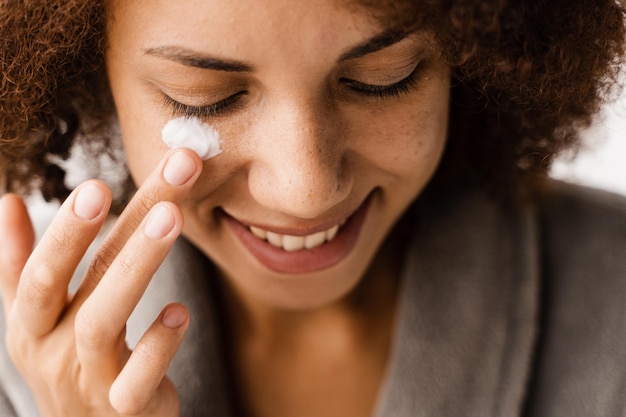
327,120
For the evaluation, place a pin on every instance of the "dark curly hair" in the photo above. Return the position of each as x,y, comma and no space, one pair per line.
528,76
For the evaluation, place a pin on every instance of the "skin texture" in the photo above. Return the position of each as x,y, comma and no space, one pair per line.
72,350
302,148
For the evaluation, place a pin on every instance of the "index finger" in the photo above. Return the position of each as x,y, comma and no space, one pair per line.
170,181
42,289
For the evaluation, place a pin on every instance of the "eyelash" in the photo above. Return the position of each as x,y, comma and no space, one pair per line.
396,90
202,112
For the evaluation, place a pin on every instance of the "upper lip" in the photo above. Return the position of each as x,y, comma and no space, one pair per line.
300,230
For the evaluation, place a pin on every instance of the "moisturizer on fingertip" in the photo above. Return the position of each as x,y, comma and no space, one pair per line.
192,133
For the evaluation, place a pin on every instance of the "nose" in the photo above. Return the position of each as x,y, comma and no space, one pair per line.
301,168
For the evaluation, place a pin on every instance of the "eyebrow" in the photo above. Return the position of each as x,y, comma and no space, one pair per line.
375,44
191,58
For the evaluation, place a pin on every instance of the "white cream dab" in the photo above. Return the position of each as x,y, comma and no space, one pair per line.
192,133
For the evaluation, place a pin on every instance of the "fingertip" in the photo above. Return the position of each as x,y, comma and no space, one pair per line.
175,316
16,245
164,219
10,197
181,166
91,199
10,205
16,229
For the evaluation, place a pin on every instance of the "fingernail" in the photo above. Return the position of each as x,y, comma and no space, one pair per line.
159,223
179,168
174,317
89,202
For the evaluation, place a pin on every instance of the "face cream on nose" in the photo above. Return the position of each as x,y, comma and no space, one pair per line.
192,133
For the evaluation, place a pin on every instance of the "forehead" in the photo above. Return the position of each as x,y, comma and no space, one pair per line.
286,15
257,29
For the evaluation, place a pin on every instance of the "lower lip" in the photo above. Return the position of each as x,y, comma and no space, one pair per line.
307,260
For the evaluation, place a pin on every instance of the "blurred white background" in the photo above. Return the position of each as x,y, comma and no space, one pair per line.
601,162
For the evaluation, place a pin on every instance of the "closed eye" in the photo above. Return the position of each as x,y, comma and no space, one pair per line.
179,109
396,89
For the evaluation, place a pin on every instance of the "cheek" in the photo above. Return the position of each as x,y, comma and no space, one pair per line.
405,143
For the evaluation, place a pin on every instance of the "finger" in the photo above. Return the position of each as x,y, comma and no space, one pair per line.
42,290
102,317
18,238
145,370
170,181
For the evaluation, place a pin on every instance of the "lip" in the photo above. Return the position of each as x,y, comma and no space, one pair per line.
308,260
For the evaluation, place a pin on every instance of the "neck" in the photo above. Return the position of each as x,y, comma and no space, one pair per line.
372,302
336,354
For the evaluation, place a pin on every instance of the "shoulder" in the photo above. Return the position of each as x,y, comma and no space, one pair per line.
581,362
583,233
574,210
583,243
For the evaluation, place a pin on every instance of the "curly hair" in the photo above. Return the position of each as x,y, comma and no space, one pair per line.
528,76
53,90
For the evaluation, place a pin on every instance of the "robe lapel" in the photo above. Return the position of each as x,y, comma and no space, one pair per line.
467,319
465,328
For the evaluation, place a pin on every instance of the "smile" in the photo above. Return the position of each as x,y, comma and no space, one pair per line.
286,251
292,243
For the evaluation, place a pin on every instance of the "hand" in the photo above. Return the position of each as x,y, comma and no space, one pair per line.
71,349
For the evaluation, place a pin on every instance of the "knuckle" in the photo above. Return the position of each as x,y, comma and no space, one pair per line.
128,266
32,357
91,332
151,353
140,206
126,403
16,348
146,202
13,335
129,400
62,237
10,263
38,285
101,262
53,372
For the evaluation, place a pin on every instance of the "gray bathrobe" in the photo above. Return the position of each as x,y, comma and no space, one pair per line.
504,311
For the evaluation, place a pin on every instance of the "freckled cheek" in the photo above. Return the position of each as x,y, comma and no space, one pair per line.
403,145
423,143
226,173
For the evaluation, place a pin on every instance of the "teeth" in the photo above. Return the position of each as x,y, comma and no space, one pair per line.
275,239
260,233
295,243
315,240
331,233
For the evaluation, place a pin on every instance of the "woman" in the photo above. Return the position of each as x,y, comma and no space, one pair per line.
378,237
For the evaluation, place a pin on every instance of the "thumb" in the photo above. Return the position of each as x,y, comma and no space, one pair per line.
17,239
